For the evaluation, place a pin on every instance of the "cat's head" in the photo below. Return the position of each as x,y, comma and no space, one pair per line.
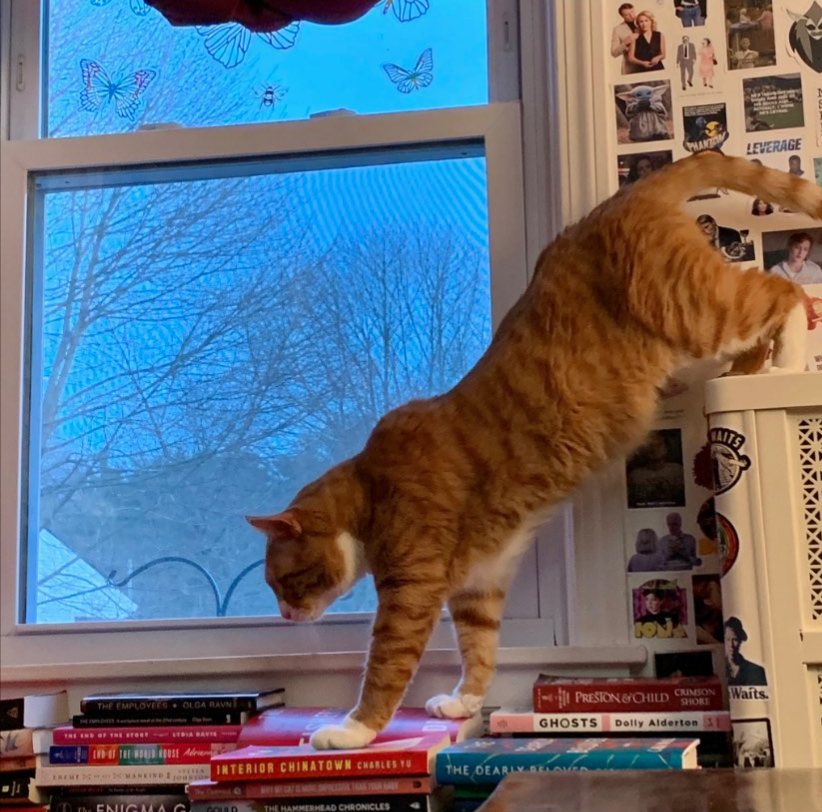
310,559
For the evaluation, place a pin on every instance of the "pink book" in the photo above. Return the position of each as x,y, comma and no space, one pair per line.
288,727
190,734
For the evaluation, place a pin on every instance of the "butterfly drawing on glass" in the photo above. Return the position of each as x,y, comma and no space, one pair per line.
139,7
269,95
406,10
407,80
99,89
228,42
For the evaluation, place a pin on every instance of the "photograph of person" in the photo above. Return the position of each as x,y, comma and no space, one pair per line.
660,610
707,594
739,670
686,60
760,207
631,168
691,12
623,35
647,50
817,171
647,557
753,746
798,258
655,474
732,244
678,549
750,34
684,664
707,63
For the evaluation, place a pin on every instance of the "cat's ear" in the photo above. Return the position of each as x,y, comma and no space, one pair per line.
280,526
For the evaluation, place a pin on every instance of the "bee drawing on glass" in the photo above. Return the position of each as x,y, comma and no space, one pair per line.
270,94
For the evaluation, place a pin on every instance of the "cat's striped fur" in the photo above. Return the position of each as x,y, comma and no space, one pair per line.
447,491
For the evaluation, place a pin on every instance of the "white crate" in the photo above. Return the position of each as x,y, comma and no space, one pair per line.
766,433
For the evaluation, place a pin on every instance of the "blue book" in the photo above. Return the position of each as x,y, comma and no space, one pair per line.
488,761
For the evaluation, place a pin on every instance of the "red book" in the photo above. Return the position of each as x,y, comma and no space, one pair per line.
324,788
290,727
402,757
189,734
606,695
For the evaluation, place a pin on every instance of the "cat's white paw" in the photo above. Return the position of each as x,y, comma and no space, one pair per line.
461,706
785,370
348,736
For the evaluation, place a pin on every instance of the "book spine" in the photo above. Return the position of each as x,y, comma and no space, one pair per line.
14,787
585,723
186,734
329,803
173,706
133,754
10,765
484,768
63,802
162,720
106,775
11,713
352,765
624,697
226,791
16,743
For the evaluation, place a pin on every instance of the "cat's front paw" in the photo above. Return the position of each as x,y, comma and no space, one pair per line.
461,706
350,735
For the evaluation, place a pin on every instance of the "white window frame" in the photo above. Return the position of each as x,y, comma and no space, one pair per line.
524,158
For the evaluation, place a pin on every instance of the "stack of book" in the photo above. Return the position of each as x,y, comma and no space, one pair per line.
638,707
142,750
26,724
275,769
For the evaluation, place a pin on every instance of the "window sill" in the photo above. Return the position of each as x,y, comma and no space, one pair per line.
341,662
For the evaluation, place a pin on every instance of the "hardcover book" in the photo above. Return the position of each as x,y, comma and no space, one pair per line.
331,803
137,802
165,753
180,704
226,791
170,719
402,757
289,727
520,720
107,775
184,734
15,786
627,694
488,761
25,742
34,710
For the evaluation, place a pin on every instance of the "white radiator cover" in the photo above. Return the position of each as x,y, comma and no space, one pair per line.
766,433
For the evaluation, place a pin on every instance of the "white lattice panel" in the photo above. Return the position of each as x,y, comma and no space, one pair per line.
809,435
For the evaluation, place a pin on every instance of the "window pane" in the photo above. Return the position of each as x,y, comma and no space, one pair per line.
116,64
202,348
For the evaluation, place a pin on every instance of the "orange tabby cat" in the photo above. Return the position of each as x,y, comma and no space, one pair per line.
447,492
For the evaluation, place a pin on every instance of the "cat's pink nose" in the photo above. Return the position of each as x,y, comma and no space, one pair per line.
285,611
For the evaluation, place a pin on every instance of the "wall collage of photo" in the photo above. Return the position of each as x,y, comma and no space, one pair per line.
742,77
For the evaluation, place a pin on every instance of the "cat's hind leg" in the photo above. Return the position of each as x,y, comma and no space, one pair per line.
477,615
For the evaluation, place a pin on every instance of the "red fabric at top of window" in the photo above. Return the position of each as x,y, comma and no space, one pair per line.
261,15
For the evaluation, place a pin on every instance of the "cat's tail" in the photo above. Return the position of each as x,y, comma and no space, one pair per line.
707,170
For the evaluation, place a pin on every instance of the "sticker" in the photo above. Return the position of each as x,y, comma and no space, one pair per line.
728,540
660,610
753,745
805,36
706,127
643,112
728,463
739,669
773,102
